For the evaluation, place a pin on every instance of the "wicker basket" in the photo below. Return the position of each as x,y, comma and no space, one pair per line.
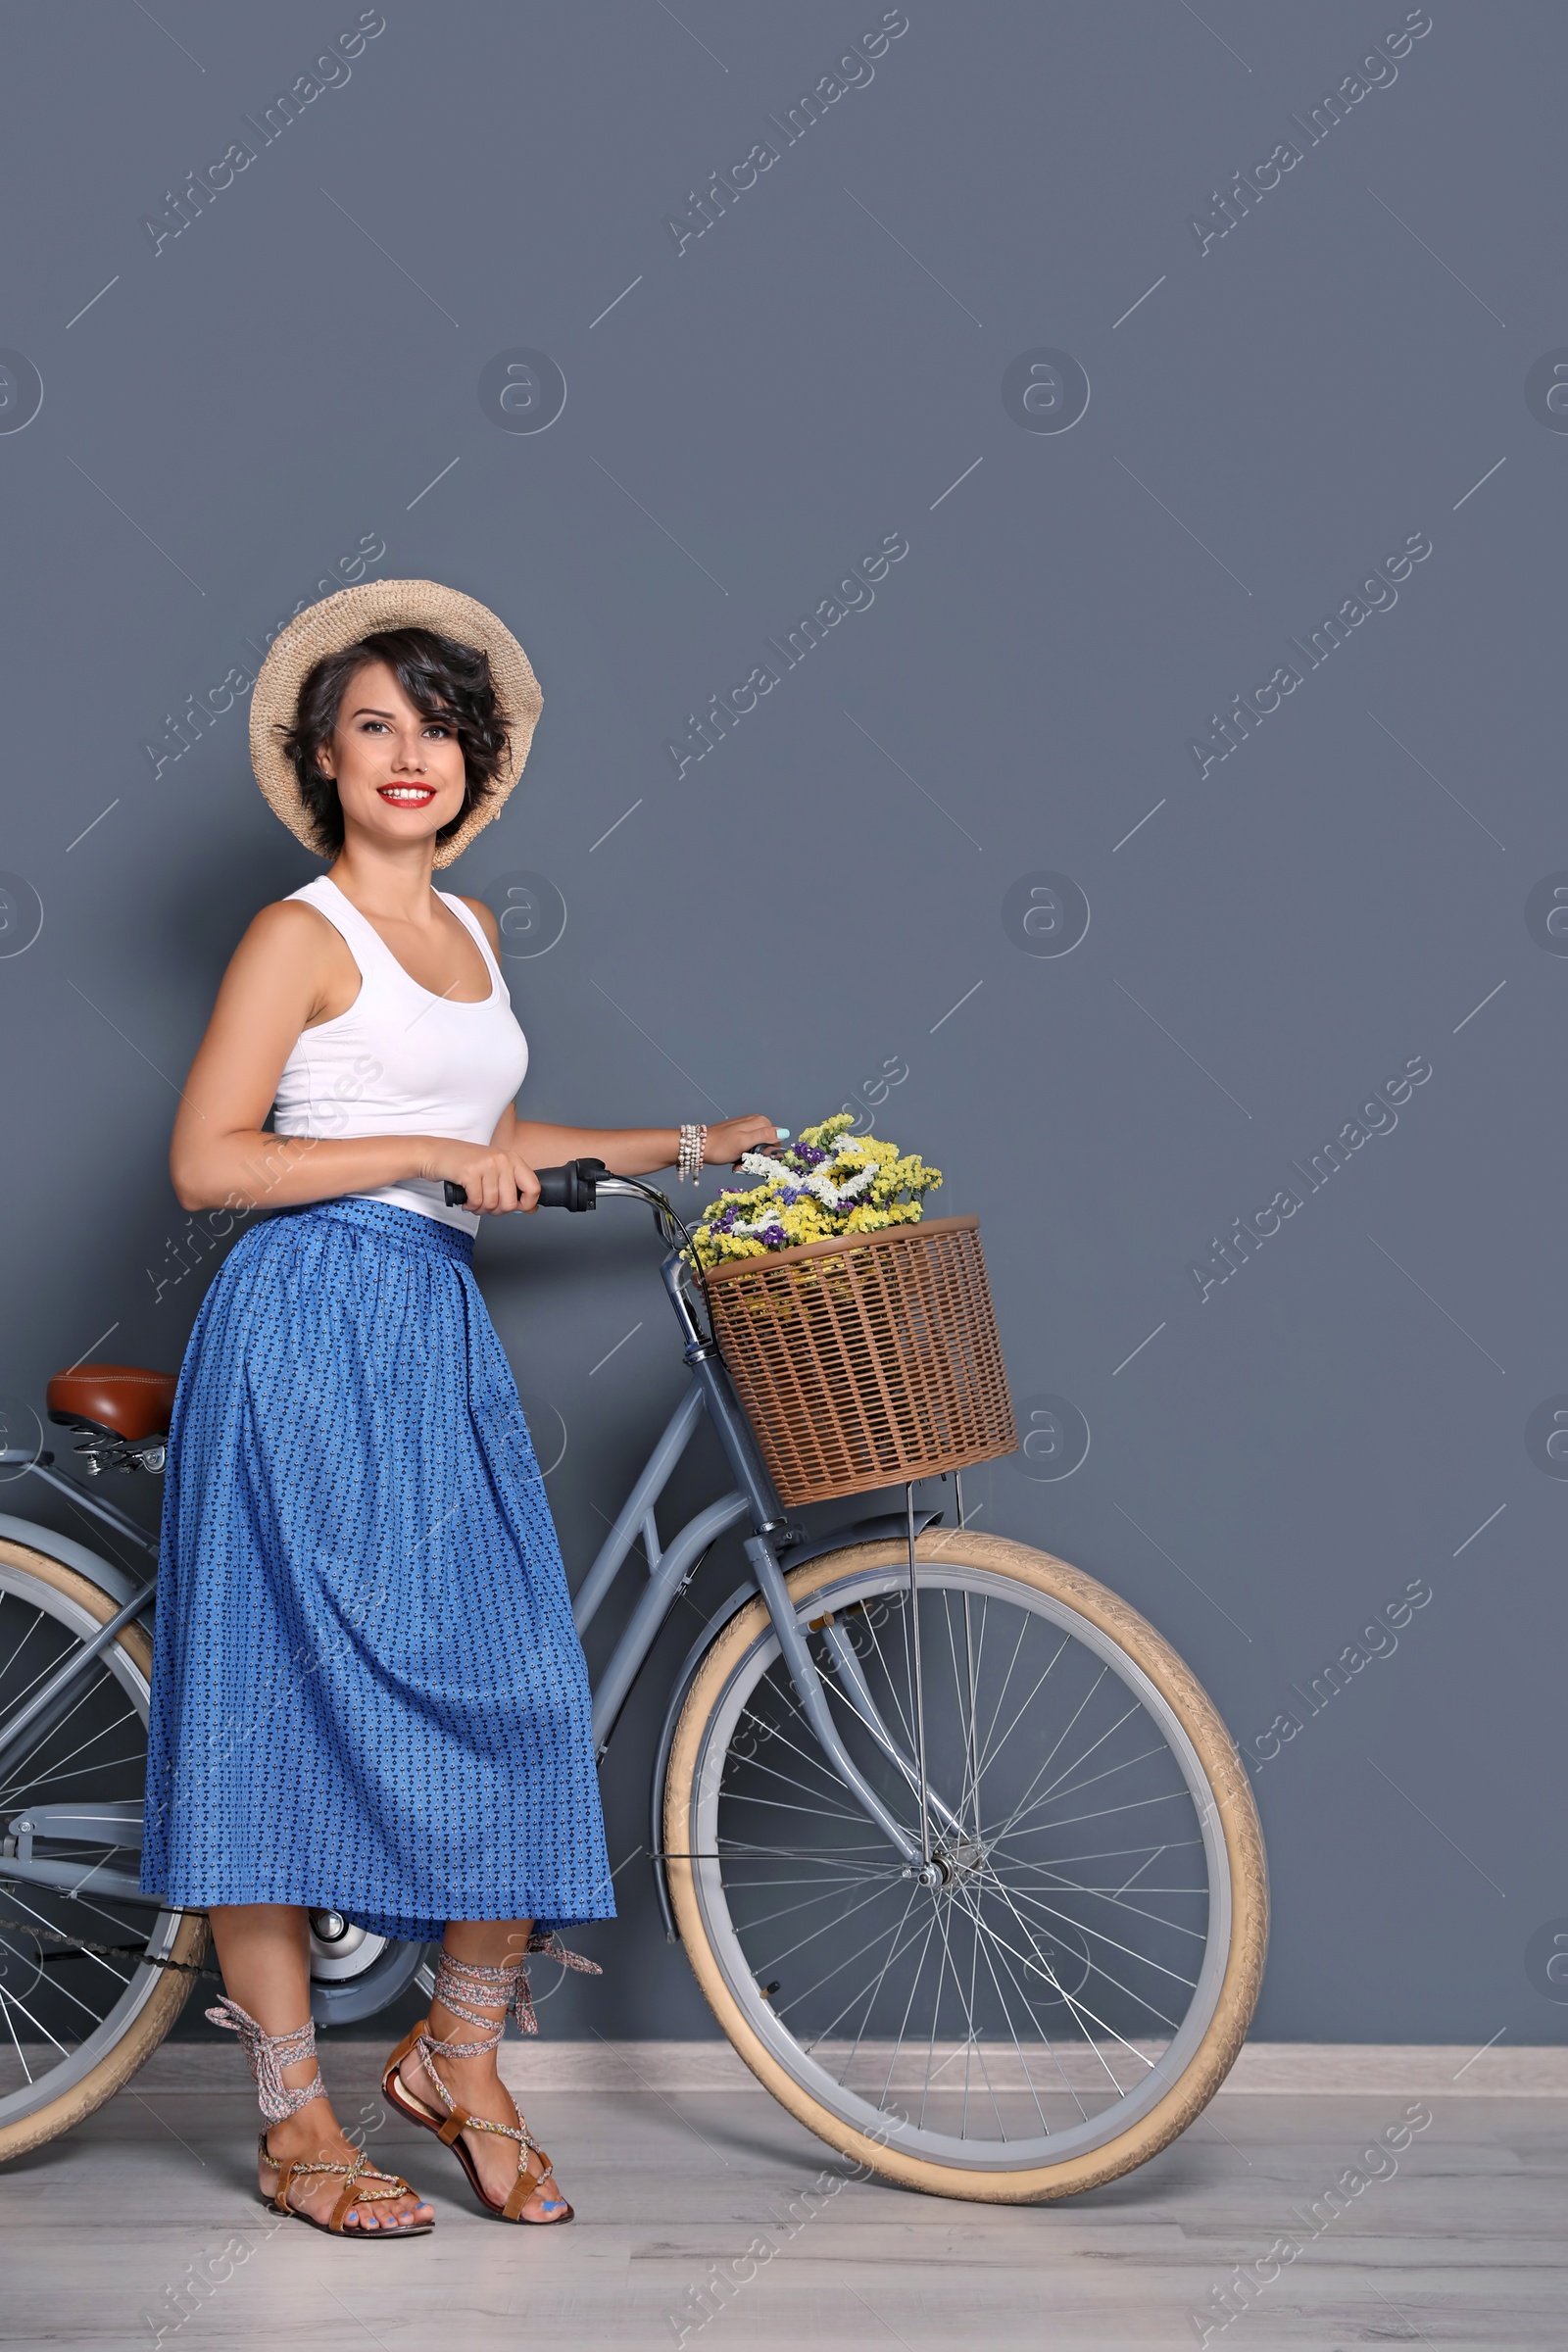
868,1360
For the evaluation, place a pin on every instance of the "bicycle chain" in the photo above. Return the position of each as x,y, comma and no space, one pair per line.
73,1951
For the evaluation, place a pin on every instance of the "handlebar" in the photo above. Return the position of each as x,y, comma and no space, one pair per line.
573,1187
577,1185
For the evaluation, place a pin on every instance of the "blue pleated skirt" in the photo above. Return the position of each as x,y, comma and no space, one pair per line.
368,1692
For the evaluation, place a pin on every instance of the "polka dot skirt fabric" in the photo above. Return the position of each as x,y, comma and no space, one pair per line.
367,1690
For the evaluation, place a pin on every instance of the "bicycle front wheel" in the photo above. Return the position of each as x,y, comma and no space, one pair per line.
1075,1990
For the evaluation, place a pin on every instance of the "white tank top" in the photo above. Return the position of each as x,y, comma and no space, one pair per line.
401,1060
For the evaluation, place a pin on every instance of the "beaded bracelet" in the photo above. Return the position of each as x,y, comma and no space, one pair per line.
693,1146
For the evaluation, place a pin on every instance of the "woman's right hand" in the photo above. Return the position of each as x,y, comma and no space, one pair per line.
495,1181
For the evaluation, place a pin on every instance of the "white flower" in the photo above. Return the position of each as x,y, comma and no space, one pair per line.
858,1184
831,1195
757,1164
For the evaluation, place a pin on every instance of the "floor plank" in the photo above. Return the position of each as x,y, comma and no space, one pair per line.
102,2235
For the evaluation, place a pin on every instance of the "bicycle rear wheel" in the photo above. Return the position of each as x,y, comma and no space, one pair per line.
1073,1993
76,2023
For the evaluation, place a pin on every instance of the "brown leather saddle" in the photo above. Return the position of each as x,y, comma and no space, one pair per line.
119,1411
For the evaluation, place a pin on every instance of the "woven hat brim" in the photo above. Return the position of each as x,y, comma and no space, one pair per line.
343,619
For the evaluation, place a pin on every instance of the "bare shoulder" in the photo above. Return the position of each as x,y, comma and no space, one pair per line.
288,931
292,957
486,922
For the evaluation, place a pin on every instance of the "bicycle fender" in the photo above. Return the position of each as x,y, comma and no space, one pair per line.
879,1530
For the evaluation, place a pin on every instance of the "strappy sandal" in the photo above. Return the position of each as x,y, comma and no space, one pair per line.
356,2177
268,2054
459,1986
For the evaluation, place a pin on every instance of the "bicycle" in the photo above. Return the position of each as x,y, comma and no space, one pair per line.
963,1856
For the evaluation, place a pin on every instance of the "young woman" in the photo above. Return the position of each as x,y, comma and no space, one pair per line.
368,1694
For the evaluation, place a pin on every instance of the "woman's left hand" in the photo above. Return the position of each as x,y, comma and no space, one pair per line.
731,1136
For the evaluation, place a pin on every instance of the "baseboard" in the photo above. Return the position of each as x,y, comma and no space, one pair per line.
1338,2070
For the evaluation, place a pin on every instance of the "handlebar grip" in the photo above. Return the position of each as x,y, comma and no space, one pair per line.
570,1187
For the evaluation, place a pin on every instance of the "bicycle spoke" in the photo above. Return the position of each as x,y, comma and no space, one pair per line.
915,1985
1135,1805
1190,1984
901,1763
971,1660
1120,1853
968,1797
1088,2039
835,1879
1084,1754
1018,2048
1077,1787
972,2039
875,1987
792,1854
736,1796
23,1904
58,1987
18,1697
901,1944
904,1724
992,1752
56,1779
775,1773
963,2120
813,1756
9,1999
97,1910
1096,1968
1046,1764
837,1970
53,1772
14,2044
1007,1679
1076,2010
936,2009
831,1893
1173,1926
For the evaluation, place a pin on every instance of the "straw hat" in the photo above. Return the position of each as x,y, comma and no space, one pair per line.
343,619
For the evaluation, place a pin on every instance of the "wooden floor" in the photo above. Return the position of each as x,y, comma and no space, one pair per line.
142,2228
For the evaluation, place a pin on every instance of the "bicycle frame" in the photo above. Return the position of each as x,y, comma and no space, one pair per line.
751,1500
754,1499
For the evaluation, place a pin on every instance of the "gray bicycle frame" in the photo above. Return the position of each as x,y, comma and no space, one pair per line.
752,1499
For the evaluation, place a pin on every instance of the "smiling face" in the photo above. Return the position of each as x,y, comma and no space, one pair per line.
399,771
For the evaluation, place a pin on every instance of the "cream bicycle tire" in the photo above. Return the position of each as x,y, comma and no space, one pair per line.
164,2000
1227,1817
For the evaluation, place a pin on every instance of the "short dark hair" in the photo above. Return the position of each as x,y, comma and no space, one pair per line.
441,677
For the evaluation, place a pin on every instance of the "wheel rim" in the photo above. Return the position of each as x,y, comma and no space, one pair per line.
1053,1992
60,2017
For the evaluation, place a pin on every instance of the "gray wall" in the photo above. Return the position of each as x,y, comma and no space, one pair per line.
844,882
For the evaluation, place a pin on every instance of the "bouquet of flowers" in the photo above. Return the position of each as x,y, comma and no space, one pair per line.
826,1184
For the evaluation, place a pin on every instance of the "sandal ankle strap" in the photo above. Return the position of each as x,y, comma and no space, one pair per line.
268,2054
462,1984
